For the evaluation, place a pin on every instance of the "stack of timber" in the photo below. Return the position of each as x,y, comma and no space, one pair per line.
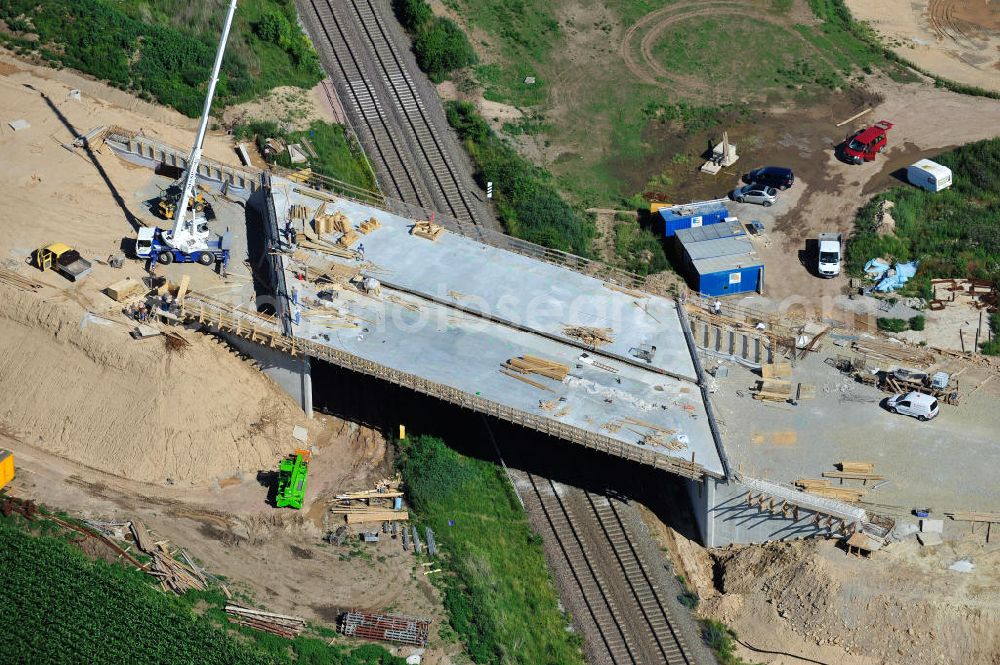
428,230
517,368
776,390
590,335
778,370
856,467
361,514
349,237
172,574
15,280
269,622
374,505
899,352
296,211
369,225
822,487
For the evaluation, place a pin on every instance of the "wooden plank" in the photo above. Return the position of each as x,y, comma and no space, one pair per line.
183,288
532,382
847,475
857,467
377,516
142,539
775,370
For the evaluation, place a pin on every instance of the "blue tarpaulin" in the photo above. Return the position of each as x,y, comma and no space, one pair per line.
876,268
904,271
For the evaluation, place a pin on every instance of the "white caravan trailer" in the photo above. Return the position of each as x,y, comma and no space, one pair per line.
929,175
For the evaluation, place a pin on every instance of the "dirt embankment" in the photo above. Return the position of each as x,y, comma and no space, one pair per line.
810,598
78,386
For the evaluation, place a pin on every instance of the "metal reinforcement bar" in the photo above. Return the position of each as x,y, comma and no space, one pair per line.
267,331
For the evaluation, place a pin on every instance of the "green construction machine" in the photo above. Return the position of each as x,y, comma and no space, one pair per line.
292,473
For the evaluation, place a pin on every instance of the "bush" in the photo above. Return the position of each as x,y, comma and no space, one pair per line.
892,325
917,322
439,45
273,27
413,14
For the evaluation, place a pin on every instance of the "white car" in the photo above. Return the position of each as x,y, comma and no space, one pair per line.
762,194
918,405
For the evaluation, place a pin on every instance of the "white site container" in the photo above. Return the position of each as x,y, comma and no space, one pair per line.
929,175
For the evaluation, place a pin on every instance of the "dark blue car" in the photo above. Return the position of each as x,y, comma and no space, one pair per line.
773,176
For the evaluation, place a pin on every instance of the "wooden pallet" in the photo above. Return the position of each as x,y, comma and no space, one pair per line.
428,230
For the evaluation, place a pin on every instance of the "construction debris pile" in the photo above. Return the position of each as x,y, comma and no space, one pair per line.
172,574
982,293
269,622
590,335
385,627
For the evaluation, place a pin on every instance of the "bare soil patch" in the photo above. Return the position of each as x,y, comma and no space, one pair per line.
956,39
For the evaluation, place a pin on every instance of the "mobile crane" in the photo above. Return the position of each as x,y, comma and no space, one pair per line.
190,239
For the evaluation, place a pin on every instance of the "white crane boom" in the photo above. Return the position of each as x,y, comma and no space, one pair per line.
185,235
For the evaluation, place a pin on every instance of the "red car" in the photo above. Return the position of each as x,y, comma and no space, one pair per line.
866,144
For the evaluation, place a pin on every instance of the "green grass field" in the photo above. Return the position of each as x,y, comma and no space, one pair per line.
164,49
605,126
499,596
61,607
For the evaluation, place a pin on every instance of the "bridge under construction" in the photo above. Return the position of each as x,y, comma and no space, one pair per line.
532,336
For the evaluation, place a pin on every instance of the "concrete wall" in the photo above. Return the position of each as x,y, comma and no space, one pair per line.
293,375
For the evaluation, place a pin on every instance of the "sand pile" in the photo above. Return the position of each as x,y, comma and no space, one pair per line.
901,608
78,386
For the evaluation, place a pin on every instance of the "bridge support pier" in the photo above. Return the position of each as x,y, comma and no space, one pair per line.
745,511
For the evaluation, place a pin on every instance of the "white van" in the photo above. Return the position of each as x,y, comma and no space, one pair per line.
929,175
918,405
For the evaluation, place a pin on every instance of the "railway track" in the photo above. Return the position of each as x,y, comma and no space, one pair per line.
411,153
620,608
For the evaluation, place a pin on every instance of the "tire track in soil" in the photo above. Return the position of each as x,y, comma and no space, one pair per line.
652,72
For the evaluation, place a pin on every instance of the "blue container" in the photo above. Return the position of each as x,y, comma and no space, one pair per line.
728,275
687,217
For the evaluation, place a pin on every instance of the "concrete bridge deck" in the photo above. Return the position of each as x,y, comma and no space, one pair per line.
454,310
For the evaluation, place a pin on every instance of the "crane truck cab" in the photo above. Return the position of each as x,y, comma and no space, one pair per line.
864,145
829,254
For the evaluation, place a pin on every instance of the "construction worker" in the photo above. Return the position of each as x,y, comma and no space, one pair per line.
717,307
361,252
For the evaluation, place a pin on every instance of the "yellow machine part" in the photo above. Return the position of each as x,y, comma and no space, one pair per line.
654,206
6,467
167,208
